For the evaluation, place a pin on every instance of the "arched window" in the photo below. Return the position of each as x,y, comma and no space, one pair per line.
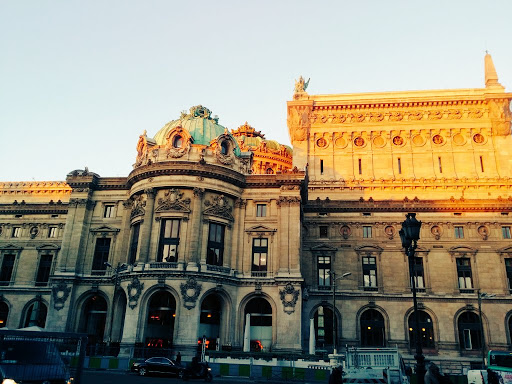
160,321
426,329
36,315
92,321
177,141
4,313
210,318
372,329
323,327
224,147
260,330
470,336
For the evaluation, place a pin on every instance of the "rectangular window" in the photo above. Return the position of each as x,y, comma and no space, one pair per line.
360,166
52,232
506,232
367,231
418,273
169,240
321,167
43,272
261,210
134,243
370,273
440,165
481,163
101,252
16,232
459,232
399,166
7,268
324,271
259,256
324,231
215,244
508,269
109,211
464,273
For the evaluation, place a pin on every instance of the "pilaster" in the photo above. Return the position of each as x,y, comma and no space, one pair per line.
195,230
145,236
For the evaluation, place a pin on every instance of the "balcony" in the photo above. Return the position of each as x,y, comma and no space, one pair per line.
260,274
163,265
218,268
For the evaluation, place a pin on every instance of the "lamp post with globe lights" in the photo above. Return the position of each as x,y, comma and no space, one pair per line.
334,279
409,235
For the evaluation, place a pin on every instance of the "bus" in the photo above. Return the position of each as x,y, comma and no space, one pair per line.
499,367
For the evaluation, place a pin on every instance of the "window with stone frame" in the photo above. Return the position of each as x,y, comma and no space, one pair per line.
7,269
215,252
367,231
506,232
324,272
324,231
169,240
109,211
369,273
464,274
134,243
508,270
16,232
44,270
100,258
261,210
259,256
52,232
418,273
459,232
470,335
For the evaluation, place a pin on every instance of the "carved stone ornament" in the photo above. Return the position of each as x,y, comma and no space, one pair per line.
289,296
390,232
190,292
178,142
345,232
224,141
60,293
134,291
173,201
142,151
138,206
436,231
298,122
219,206
483,231
33,232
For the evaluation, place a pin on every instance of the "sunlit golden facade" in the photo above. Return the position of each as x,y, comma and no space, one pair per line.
373,157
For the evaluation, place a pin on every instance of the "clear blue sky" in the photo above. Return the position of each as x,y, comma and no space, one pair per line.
81,80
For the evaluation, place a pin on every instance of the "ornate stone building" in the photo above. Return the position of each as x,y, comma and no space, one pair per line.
218,233
373,157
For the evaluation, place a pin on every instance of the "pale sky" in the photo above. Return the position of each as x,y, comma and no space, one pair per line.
81,80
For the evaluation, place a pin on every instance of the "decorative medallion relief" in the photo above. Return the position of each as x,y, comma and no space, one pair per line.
340,142
134,291
398,141
219,206
190,292
34,231
322,143
379,141
60,293
419,140
289,296
478,138
173,201
483,231
438,140
436,231
345,231
390,232
138,206
458,139
359,142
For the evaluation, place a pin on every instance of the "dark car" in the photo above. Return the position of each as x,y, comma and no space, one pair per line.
31,361
159,365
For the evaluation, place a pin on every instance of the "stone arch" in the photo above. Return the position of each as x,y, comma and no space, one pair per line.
119,308
328,318
385,321
28,310
508,327
215,317
226,334
428,327
433,316
241,314
79,303
472,331
5,310
143,330
91,316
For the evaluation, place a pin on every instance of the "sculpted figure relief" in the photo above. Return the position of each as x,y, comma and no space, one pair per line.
301,85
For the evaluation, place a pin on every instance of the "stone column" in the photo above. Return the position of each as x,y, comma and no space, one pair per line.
145,235
124,251
281,257
195,230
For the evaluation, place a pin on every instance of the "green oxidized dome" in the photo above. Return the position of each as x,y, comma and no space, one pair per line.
199,123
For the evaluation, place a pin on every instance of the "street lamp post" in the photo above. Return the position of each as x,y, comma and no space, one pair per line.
482,295
334,333
409,235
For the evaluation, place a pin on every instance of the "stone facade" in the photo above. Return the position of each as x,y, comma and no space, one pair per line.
214,230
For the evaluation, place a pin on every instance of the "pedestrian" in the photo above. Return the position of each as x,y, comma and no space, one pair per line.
432,376
336,376
178,358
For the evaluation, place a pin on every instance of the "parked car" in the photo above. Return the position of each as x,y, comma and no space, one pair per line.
32,361
159,365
